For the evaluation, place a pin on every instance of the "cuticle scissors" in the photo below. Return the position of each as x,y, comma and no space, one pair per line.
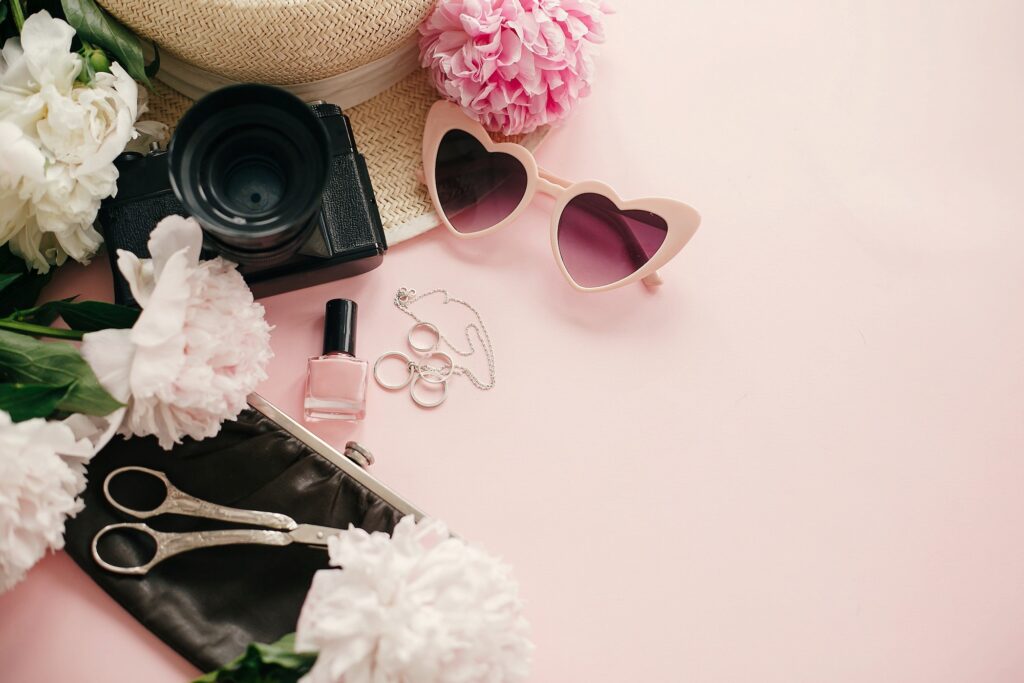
281,530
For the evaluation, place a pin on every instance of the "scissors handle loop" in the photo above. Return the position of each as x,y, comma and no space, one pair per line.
178,502
170,544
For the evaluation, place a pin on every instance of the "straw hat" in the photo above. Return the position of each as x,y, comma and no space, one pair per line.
359,54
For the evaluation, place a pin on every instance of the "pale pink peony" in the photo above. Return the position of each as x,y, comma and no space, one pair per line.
513,65
418,606
42,471
200,346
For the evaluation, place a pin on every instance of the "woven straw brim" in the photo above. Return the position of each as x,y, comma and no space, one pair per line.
389,131
274,41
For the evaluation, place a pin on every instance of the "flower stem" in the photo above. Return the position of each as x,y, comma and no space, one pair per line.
17,13
40,330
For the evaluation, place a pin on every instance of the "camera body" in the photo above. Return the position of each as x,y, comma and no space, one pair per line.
344,237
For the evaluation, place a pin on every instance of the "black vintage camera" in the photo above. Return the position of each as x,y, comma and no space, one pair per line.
277,185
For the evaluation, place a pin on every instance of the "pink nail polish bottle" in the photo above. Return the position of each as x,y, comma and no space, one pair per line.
336,380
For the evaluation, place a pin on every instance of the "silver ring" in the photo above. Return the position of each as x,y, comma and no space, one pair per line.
358,454
425,404
408,366
424,349
429,373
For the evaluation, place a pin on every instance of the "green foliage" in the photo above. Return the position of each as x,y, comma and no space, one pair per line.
30,361
17,14
274,663
38,378
7,279
83,316
39,315
25,401
95,26
20,286
94,60
98,61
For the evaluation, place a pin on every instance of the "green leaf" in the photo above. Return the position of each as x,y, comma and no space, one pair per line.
41,315
31,361
274,663
84,316
7,26
96,26
17,14
22,292
89,316
7,278
25,401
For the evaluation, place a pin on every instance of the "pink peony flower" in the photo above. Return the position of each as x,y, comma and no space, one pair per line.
513,65
200,346
418,606
41,474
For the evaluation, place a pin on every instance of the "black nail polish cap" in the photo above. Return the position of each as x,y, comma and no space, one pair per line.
340,327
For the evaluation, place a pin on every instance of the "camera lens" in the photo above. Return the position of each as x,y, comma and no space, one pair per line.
250,162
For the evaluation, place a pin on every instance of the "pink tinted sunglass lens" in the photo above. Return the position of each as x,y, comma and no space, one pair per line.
476,189
601,244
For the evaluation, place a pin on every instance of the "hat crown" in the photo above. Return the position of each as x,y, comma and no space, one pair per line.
274,41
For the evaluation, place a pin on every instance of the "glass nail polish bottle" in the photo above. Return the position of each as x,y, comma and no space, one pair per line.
336,380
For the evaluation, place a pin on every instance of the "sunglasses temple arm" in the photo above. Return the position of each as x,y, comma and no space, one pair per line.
653,280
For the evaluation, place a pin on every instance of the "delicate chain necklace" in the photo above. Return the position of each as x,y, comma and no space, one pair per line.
434,374
406,297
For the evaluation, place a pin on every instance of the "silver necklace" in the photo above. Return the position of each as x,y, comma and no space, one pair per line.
426,371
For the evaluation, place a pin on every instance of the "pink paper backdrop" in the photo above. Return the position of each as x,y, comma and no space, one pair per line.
798,461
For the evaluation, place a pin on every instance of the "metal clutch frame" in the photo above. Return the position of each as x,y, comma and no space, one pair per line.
343,462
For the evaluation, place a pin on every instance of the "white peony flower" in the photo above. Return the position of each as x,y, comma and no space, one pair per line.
65,137
416,607
41,474
200,346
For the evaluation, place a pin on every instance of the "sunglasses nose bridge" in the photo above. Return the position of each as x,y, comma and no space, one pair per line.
550,184
549,188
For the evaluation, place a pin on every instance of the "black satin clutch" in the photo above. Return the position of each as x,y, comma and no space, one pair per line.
209,604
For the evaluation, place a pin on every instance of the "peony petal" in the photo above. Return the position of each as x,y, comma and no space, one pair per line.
137,273
114,142
21,159
110,354
46,42
158,324
172,235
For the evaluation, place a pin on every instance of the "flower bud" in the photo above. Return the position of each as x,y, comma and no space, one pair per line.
99,61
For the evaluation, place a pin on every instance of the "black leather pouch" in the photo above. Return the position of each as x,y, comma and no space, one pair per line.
208,604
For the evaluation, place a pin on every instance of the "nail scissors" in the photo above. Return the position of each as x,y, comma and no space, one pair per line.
280,529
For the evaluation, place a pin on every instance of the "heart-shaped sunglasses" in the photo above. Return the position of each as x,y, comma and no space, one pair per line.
600,241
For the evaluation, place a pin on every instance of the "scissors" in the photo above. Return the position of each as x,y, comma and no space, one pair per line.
280,529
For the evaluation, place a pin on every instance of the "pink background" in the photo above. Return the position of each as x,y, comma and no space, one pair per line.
801,460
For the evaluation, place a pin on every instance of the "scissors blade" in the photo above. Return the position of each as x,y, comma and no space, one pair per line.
312,534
